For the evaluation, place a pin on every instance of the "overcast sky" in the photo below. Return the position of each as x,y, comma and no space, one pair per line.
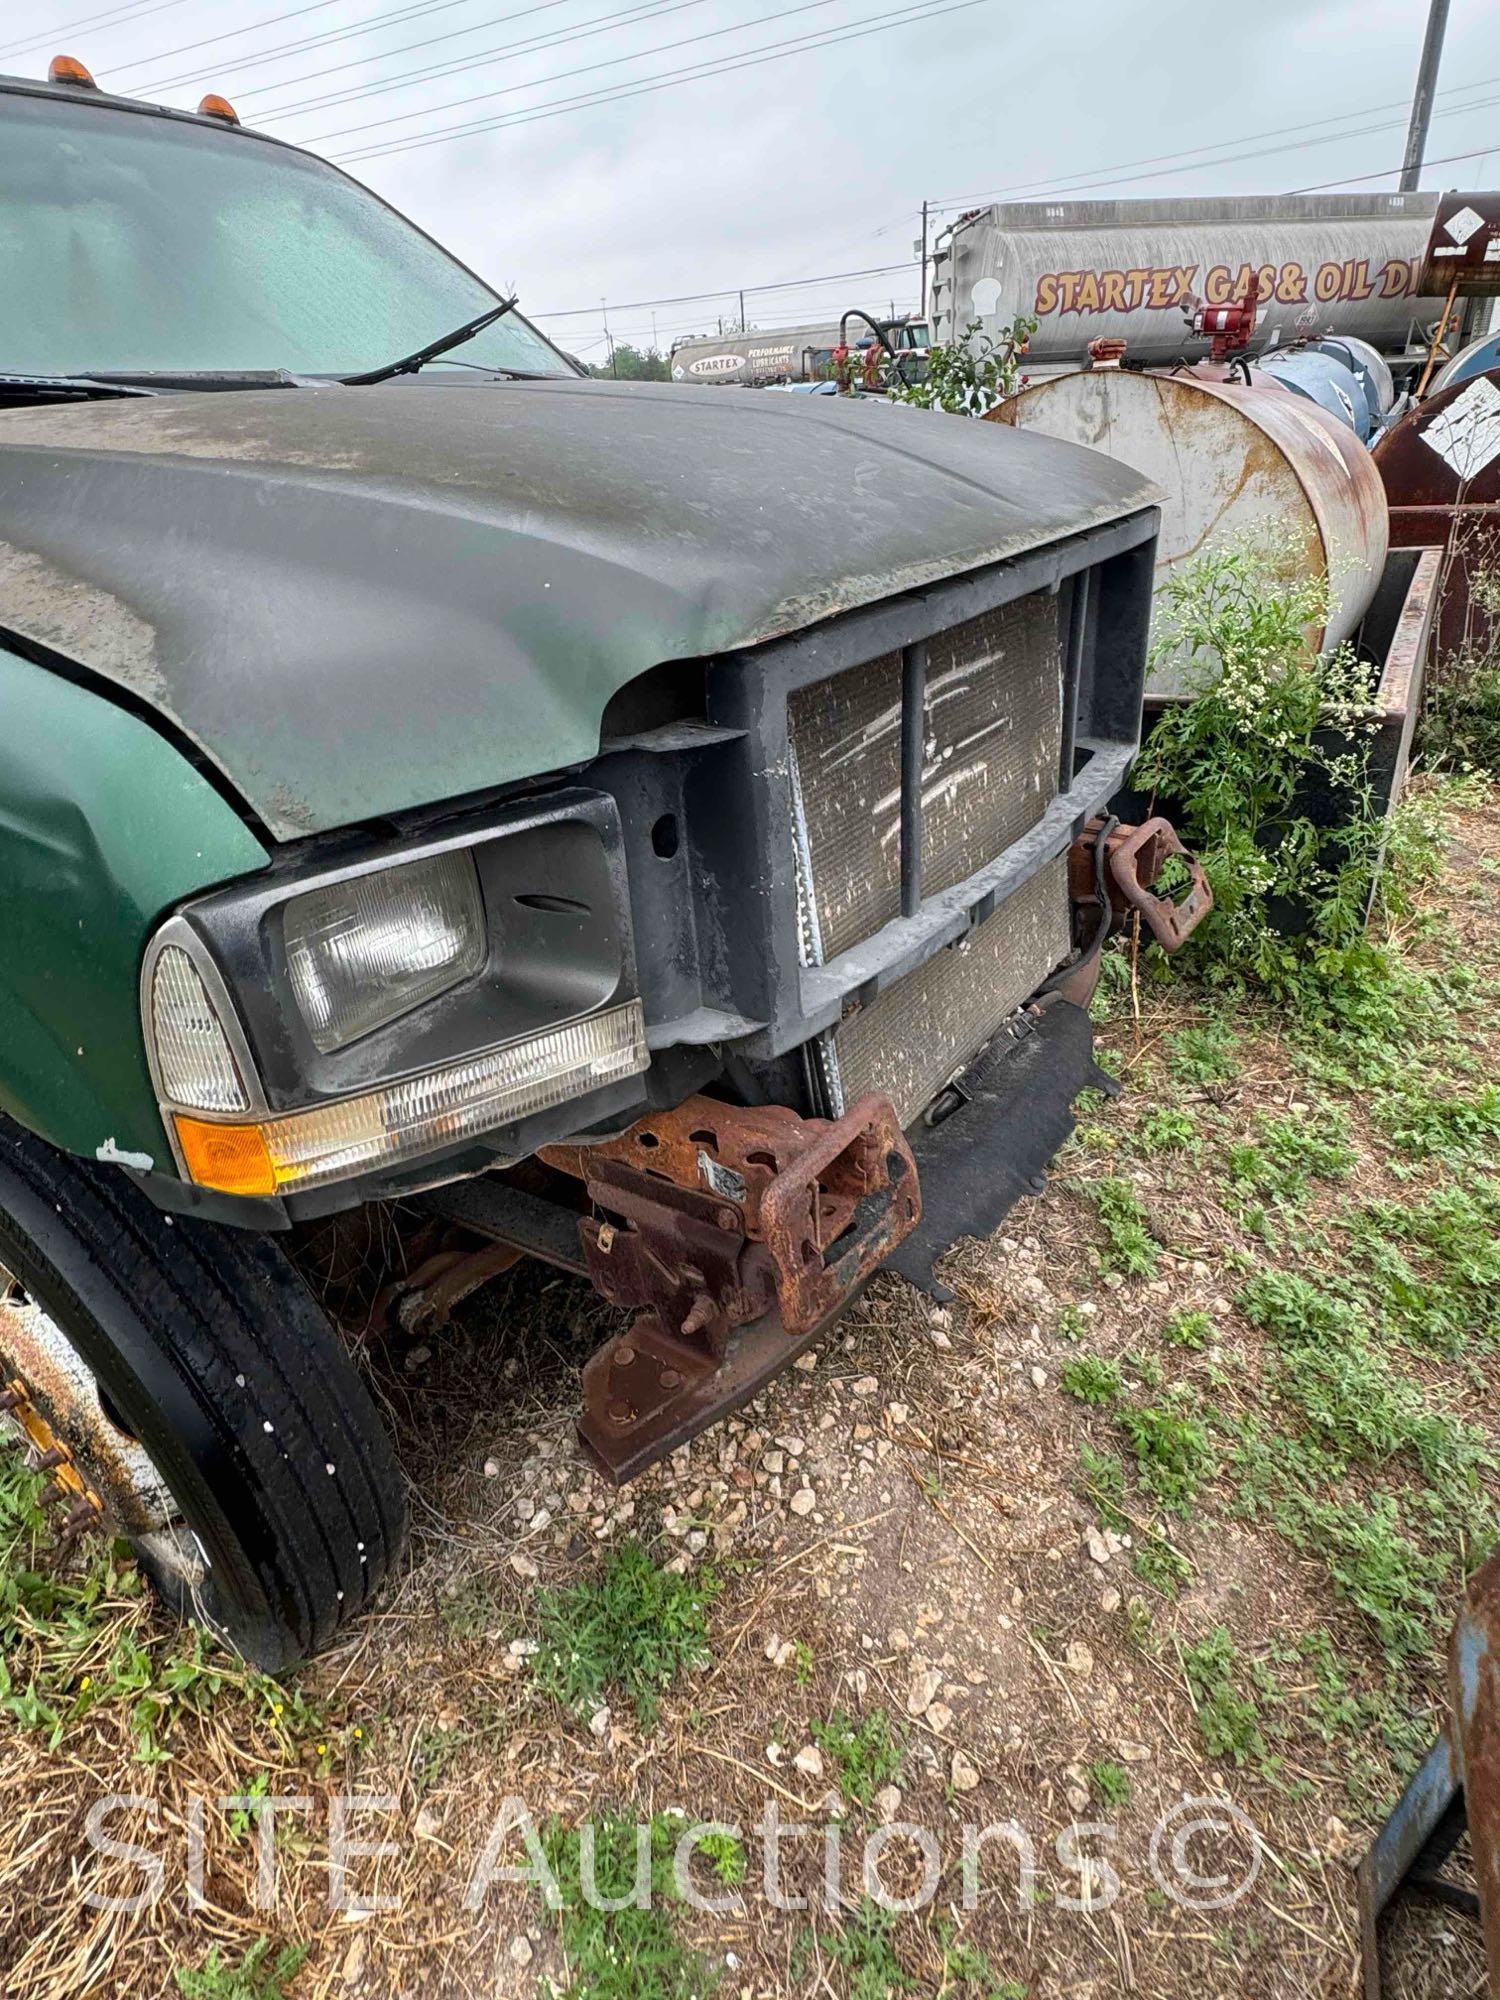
812,164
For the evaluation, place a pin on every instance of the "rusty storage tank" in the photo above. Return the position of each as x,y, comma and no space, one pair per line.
1340,263
1231,462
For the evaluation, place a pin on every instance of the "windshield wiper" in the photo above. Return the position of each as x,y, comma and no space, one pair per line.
410,363
70,388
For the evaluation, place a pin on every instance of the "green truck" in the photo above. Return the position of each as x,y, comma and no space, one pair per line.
656,833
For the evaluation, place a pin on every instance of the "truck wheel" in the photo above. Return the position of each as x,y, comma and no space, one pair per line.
183,1375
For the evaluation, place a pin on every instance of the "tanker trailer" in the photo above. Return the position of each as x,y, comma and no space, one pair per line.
1338,263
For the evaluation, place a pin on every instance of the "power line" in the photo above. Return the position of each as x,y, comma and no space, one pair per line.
1061,185
723,292
691,73
105,20
1267,152
643,10
1442,160
382,20
441,69
609,62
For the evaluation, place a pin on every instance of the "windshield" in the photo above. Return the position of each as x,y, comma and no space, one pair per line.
132,244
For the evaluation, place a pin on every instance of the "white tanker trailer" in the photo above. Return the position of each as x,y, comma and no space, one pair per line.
1120,270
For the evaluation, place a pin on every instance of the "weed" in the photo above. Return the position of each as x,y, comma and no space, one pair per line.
1091,1379
1428,1125
1206,1054
968,1973
630,1953
865,1755
1131,1249
251,1979
1168,1129
1171,1452
1104,1486
1071,1323
725,1854
1109,1785
1190,1328
1228,1720
1157,1563
863,1945
634,1629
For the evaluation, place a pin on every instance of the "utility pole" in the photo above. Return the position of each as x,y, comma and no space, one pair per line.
1421,103
742,309
609,344
922,294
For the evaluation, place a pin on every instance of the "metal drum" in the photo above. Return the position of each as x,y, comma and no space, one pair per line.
1231,463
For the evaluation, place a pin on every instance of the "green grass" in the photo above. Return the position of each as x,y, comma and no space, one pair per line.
1130,1247
1189,1328
1168,1129
251,1978
1172,1454
1109,1785
865,1755
631,1953
75,1645
1091,1379
1228,1718
629,1633
863,1946
1206,1054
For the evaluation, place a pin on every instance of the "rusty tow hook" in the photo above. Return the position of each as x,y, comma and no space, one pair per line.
1133,860
736,1233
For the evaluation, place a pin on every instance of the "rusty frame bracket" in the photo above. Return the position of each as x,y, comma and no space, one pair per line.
738,1234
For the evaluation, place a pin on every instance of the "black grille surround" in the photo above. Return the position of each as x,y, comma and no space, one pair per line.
833,856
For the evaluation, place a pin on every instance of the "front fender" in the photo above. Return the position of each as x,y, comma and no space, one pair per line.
104,827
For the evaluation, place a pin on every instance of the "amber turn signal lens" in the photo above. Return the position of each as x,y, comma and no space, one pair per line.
214,106
231,1158
68,69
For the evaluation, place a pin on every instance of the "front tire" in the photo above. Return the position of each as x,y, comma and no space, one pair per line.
204,1396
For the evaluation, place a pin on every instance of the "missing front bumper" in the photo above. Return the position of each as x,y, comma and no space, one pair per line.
736,1234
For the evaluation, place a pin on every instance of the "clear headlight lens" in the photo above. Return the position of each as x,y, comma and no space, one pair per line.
418,1114
365,951
192,1050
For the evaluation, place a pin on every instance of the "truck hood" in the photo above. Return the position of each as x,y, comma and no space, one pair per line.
361,601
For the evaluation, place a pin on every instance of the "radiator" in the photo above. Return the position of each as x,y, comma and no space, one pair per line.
992,739
923,1029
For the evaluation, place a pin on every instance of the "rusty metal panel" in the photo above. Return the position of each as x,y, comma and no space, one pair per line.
1464,247
1341,263
919,1032
992,738
1230,463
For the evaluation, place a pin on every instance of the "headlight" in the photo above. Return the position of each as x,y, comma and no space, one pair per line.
362,952
383,1127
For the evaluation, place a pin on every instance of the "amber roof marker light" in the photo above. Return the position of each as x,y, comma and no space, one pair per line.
214,106
68,69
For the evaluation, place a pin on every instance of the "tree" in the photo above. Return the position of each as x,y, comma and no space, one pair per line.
632,364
